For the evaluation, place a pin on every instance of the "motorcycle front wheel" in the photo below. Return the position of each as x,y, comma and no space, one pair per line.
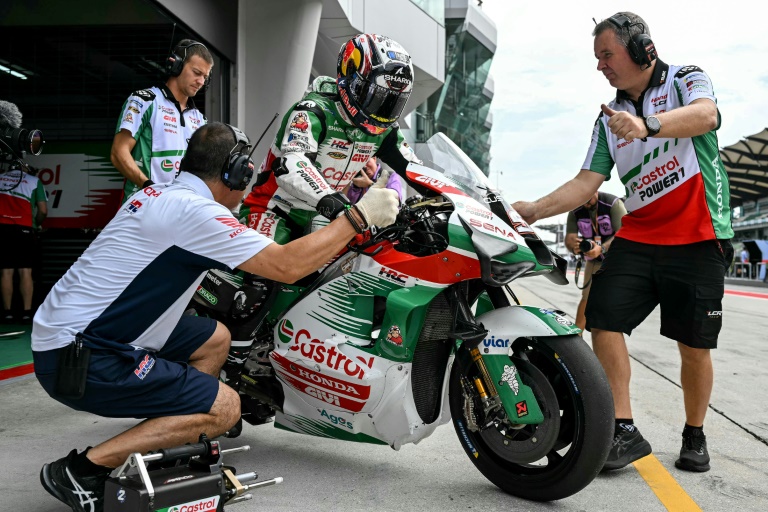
578,428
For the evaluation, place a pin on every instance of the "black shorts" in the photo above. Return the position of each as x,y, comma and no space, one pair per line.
686,280
18,246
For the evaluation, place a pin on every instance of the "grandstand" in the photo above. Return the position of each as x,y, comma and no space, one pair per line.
747,166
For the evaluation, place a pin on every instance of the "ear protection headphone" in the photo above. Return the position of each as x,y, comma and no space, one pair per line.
175,63
642,51
238,168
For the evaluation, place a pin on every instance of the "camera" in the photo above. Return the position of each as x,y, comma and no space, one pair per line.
586,245
15,142
20,140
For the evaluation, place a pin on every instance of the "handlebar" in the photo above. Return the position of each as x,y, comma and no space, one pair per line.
420,228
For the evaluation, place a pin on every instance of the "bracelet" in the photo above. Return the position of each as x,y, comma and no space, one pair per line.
360,218
353,221
147,183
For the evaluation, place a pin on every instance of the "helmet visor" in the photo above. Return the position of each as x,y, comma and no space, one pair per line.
380,103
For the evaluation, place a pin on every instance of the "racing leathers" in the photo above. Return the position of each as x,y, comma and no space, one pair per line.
316,153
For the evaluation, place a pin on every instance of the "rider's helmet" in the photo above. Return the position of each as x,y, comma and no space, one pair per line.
375,79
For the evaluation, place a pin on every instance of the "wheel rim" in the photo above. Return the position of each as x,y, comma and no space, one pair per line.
528,443
566,445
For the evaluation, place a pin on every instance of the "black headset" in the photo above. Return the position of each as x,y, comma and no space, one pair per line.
642,51
174,64
238,168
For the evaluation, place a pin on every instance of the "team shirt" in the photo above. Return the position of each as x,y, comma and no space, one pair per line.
162,131
135,280
677,190
17,204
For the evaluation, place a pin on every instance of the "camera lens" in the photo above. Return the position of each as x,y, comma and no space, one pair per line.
21,139
586,245
35,141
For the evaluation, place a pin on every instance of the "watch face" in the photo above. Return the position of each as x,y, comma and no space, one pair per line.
653,124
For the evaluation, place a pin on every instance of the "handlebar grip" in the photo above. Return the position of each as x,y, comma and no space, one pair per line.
186,451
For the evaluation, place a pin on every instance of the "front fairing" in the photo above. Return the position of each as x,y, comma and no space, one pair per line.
482,222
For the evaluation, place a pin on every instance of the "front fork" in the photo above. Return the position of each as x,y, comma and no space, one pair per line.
497,384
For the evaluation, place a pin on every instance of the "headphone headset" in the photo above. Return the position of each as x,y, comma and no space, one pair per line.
238,167
642,51
174,64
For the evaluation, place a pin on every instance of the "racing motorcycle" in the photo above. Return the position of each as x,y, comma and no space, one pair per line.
416,327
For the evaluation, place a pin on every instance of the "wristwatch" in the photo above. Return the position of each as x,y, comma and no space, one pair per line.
652,124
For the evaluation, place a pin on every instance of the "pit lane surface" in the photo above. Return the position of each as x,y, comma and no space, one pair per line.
326,475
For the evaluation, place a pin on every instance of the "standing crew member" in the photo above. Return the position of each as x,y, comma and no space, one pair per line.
156,123
23,209
674,246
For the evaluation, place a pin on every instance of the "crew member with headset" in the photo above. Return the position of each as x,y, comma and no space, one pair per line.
156,362
589,232
156,123
674,246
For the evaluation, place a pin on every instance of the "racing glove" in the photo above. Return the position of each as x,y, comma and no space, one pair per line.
331,205
379,206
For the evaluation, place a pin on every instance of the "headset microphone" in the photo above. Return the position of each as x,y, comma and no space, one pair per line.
263,134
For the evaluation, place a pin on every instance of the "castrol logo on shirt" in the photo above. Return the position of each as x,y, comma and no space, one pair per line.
655,182
656,174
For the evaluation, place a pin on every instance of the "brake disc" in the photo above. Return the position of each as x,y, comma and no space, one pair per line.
525,444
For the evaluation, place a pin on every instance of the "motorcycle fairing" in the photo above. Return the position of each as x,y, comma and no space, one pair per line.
321,428
395,420
506,324
481,209
333,320
371,389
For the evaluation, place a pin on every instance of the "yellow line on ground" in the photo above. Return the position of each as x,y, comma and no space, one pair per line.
664,486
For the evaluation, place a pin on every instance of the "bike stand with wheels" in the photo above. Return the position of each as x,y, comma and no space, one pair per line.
189,477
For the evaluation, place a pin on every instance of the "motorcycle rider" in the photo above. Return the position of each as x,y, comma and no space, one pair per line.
327,137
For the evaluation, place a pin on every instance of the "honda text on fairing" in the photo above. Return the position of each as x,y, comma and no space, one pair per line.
416,326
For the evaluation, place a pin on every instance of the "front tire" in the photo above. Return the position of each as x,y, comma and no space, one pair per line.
586,423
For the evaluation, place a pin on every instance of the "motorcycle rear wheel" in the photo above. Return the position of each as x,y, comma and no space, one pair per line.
585,405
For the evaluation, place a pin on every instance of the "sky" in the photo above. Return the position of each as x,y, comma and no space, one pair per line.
548,90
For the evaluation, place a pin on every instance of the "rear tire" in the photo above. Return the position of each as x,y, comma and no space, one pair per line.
585,406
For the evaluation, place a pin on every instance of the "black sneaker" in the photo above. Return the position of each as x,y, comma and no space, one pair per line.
628,446
694,455
83,494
